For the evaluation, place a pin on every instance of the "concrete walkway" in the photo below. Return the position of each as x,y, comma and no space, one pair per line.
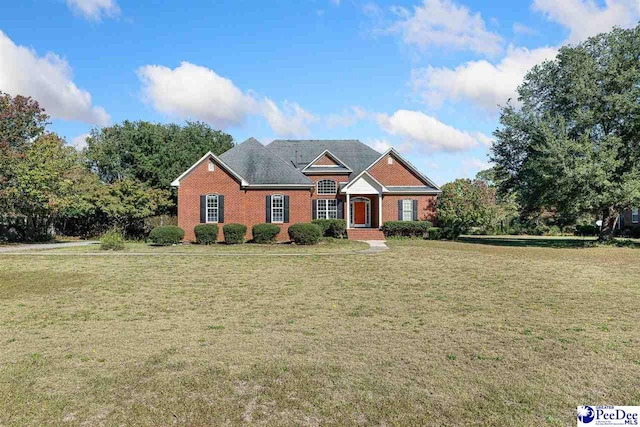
375,246
44,246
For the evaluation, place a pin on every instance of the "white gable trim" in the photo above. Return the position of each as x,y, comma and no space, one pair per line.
407,164
330,154
209,155
370,188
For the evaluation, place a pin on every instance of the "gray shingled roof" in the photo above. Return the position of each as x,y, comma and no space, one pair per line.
299,153
252,161
404,189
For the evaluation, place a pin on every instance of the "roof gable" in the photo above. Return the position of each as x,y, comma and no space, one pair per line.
300,153
410,168
326,162
259,166
209,155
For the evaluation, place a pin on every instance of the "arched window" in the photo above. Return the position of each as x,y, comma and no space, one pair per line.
327,186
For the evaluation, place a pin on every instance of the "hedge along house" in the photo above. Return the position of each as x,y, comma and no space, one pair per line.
292,181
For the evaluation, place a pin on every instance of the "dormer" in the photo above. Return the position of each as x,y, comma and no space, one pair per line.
326,163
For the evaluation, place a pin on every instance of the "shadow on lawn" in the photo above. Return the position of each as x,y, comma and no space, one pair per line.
557,243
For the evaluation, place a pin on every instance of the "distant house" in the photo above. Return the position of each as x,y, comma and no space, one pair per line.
628,218
292,181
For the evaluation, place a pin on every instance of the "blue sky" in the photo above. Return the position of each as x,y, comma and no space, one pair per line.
424,76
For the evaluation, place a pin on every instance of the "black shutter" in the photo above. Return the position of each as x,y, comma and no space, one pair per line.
399,210
314,209
220,208
340,213
203,209
268,209
286,209
415,210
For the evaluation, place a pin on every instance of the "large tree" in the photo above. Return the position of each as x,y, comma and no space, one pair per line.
573,143
22,120
152,153
42,182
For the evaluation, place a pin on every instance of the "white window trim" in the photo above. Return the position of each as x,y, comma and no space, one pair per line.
335,185
217,208
325,210
634,214
273,209
211,167
404,209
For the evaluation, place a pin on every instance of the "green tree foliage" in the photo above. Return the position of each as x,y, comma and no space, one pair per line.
465,204
21,121
574,143
149,152
43,183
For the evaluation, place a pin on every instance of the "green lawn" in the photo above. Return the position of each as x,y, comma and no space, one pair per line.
429,333
325,246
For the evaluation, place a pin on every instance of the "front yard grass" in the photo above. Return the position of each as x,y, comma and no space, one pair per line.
325,246
428,333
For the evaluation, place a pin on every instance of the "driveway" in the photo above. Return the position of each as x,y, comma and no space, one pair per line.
43,246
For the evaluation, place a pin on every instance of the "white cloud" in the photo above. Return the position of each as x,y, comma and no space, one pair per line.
446,24
80,141
193,91
94,9
378,144
48,79
292,120
585,18
485,84
427,132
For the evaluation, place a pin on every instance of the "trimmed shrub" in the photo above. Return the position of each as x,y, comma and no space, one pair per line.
234,233
434,233
112,240
305,234
265,233
166,235
206,234
586,230
442,233
332,227
406,228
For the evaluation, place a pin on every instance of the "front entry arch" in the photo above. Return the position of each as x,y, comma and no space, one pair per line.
360,212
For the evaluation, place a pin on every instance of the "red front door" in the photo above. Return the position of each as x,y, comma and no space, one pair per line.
359,213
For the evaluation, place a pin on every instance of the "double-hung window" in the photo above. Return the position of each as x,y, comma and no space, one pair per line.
634,215
277,208
327,209
212,208
327,186
407,210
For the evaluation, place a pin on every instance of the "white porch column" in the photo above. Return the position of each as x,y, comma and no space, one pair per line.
379,210
348,216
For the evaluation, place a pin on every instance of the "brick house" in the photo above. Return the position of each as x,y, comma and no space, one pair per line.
292,181
629,218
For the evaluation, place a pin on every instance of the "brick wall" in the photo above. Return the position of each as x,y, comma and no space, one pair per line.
426,207
394,174
240,206
325,161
